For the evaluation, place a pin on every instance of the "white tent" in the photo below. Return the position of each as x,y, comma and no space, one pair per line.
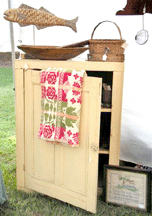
136,139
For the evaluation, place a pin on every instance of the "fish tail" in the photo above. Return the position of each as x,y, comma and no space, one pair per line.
72,23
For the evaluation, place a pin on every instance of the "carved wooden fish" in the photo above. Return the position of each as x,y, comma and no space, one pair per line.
42,18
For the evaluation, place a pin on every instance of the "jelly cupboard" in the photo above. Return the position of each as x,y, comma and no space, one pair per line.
68,174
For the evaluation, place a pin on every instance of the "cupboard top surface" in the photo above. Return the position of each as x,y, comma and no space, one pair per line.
78,65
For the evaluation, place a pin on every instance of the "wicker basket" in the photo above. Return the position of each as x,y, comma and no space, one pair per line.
106,50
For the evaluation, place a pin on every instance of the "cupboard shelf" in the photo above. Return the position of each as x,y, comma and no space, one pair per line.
103,151
106,109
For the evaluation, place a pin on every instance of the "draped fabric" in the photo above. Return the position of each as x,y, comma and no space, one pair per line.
60,105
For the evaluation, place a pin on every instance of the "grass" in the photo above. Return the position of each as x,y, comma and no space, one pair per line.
33,204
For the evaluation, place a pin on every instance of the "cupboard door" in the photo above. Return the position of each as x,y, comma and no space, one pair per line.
66,173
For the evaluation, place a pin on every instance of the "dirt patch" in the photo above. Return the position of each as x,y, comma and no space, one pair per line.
5,64
6,59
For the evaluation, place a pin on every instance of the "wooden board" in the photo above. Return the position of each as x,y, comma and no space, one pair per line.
65,173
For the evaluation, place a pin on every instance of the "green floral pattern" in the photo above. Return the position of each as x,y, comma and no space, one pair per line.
60,105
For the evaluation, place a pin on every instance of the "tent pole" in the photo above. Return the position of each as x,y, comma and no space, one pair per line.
33,35
12,45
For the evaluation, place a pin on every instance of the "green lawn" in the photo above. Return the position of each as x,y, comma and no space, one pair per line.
23,204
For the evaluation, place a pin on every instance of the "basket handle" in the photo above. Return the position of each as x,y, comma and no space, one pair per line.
110,22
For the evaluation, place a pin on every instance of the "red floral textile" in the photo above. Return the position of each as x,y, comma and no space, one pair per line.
61,105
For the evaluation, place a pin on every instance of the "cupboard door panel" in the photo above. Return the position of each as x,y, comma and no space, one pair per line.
66,173
38,152
74,163
42,151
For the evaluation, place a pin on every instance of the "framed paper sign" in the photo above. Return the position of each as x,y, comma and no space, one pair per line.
127,186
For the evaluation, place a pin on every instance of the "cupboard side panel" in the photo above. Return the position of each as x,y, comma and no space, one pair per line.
117,90
19,110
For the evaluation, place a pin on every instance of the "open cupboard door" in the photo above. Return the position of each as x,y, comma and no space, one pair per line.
65,173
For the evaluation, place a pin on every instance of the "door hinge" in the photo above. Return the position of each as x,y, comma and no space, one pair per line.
24,167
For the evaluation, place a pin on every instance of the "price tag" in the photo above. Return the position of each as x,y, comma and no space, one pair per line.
104,57
124,45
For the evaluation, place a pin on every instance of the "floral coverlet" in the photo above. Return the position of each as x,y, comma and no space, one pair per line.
60,105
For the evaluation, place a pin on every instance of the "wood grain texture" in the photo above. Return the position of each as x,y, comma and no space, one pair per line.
86,65
20,129
68,174
59,171
117,89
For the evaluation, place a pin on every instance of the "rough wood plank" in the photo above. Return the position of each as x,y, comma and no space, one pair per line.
19,109
85,65
94,131
116,118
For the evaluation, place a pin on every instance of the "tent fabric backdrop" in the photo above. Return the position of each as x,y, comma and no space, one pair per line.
136,138
136,131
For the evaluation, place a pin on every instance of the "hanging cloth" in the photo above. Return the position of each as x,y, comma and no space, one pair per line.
60,105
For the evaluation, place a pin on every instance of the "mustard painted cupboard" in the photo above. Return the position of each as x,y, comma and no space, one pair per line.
68,174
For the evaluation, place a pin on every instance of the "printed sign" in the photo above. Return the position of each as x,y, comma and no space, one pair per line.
127,186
